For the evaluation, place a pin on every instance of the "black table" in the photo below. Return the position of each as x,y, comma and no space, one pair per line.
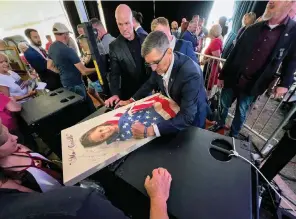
202,187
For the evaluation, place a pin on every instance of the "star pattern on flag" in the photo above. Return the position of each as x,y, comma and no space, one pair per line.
145,113
147,117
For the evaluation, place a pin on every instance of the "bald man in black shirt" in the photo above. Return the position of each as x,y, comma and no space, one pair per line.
128,72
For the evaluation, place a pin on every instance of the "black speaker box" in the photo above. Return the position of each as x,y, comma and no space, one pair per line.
46,115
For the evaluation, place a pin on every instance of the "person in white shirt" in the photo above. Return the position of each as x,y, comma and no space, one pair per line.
137,21
11,83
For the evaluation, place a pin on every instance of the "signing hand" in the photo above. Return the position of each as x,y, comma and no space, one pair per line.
122,103
280,91
138,130
159,186
112,101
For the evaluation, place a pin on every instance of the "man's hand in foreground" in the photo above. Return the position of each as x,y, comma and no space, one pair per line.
158,189
138,130
112,101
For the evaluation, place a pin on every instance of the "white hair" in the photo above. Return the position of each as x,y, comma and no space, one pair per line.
22,45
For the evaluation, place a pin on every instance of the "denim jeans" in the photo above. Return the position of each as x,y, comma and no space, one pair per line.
244,101
80,90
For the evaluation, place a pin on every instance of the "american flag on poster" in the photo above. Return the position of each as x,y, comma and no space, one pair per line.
152,111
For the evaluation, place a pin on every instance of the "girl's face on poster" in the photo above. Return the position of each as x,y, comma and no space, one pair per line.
102,133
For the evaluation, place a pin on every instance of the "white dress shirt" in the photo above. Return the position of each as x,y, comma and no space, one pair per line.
137,28
166,78
38,50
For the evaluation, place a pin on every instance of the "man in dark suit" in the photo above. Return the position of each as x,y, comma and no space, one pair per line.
253,62
137,22
191,34
128,72
177,45
37,58
178,78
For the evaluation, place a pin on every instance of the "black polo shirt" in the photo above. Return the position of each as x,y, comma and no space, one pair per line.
134,47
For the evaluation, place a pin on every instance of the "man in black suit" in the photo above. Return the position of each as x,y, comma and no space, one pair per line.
179,78
252,64
128,71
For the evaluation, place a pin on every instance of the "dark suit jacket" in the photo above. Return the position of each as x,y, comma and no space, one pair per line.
40,65
284,52
186,48
191,38
124,79
140,30
186,88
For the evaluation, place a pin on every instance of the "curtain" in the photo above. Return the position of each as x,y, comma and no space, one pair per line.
240,9
91,8
72,15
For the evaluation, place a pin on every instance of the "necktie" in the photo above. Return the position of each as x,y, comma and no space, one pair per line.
43,52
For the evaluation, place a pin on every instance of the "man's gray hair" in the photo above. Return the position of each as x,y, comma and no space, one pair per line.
155,40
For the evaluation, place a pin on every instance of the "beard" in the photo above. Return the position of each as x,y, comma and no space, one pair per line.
38,43
267,15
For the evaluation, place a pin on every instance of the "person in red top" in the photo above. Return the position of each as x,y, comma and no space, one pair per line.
48,44
7,107
211,68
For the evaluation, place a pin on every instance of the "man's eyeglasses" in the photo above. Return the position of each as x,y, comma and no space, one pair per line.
156,62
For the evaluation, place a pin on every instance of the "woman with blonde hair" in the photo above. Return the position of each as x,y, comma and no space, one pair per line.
211,68
94,87
11,83
248,20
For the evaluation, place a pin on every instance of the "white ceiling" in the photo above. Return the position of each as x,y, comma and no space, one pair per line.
17,13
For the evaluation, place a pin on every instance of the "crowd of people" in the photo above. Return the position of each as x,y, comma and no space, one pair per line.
139,63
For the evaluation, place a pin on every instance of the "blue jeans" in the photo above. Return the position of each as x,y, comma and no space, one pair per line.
244,101
80,90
